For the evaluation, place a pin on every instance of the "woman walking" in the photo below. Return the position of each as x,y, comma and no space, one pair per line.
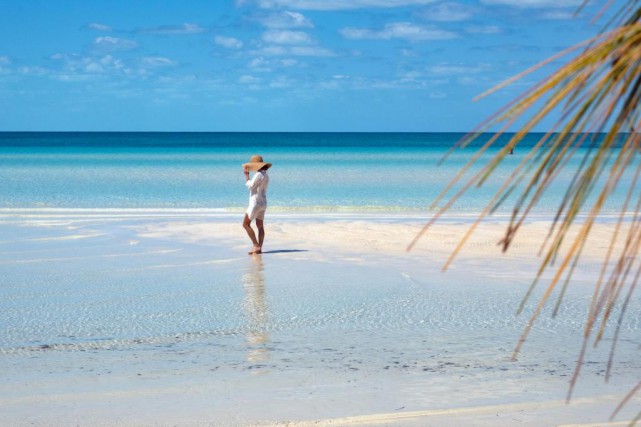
257,186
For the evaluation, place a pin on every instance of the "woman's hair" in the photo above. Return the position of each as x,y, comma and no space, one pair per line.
264,168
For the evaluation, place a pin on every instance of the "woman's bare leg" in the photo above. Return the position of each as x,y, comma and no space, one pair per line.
261,232
250,232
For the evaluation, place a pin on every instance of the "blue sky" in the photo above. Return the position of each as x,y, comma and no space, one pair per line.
271,65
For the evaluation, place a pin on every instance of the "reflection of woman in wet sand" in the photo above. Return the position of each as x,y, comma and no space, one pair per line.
257,200
255,310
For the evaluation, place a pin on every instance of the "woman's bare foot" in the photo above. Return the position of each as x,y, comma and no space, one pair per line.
256,250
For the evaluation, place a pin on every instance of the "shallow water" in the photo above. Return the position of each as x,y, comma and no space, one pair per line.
98,284
92,306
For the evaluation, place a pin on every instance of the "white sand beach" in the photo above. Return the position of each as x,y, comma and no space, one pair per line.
143,318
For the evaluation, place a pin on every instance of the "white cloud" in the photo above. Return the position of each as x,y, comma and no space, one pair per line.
447,12
286,19
4,60
281,82
311,51
330,84
72,77
109,44
247,79
156,62
106,64
171,30
557,14
261,64
487,29
228,42
399,30
337,4
446,68
469,80
534,3
76,67
99,27
94,68
294,51
408,53
33,71
60,56
411,76
286,37
508,48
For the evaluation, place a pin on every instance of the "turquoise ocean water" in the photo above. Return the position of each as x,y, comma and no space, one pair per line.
320,172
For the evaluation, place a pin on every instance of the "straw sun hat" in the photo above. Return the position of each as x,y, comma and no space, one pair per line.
256,163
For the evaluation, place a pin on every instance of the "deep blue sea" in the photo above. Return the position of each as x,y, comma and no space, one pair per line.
320,172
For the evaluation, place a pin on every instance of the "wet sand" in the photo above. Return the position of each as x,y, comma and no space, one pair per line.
162,319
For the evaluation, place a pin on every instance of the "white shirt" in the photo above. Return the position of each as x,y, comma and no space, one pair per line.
258,190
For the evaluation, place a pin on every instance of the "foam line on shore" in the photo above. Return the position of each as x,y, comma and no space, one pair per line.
453,412
611,424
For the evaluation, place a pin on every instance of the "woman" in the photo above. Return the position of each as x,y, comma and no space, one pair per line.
257,200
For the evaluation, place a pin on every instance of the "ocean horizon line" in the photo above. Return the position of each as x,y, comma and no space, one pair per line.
277,132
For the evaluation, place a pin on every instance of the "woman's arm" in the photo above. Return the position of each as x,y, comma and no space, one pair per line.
253,183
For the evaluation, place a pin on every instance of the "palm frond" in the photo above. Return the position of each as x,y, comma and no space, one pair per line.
597,96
